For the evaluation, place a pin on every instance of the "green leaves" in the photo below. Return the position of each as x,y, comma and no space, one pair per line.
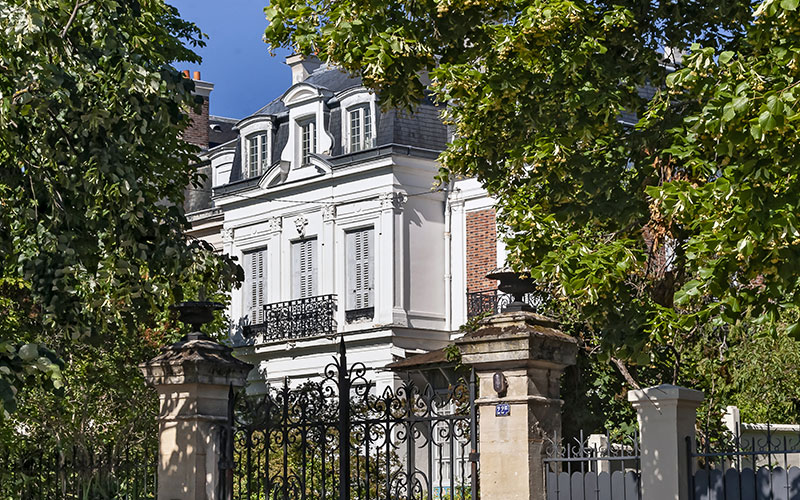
647,232
92,173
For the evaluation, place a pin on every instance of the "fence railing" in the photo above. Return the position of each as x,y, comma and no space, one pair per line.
73,475
494,301
593,468
753,466
292,319
337,439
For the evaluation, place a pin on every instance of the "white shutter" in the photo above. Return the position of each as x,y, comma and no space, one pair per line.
359,269
255,284
296,272
304,268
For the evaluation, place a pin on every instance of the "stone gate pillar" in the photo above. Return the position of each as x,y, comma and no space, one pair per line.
193,378
667,415
518,357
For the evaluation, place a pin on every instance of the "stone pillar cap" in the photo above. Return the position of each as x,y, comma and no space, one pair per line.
196,361
664,393
518,339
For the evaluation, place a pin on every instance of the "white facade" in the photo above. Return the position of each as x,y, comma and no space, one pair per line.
323,194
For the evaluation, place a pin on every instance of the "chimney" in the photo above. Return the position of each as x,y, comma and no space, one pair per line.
197,131
302,66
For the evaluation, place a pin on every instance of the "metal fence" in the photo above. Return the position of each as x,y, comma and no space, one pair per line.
337,439
494,301
596,467
762,465
74,474
292,319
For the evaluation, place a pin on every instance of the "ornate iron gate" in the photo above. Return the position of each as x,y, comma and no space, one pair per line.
338,439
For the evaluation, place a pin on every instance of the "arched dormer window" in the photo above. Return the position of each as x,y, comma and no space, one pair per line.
358,119
255,134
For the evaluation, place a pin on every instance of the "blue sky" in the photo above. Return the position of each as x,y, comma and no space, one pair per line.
235,58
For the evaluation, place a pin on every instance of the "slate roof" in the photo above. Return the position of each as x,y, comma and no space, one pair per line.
421,130
220,130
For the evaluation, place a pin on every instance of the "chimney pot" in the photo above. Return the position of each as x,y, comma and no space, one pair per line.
186,73
196,75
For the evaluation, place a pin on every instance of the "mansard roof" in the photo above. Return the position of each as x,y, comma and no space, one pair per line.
323,78
421,133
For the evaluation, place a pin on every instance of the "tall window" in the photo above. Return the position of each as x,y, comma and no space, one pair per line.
360,128
359,273
257,154
255,288
308,142
304,268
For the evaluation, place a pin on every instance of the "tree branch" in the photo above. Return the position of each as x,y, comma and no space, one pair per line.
78,5
625,373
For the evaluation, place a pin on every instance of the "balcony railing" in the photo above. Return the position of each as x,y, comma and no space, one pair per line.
293,319
490,302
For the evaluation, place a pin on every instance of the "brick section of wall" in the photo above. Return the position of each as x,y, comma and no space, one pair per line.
197,131
481,249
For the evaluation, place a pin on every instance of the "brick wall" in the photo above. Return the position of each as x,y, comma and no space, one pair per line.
481,249
197,132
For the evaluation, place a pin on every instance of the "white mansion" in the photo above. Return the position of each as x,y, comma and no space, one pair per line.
329,204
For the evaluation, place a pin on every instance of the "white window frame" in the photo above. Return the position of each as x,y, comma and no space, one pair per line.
257,154
360,118
307,140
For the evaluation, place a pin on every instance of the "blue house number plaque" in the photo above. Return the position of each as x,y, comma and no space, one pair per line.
502,410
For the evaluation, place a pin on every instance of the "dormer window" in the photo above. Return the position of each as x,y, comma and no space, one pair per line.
308,142
360,120
257,154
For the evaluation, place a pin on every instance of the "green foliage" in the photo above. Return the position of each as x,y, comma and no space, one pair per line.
93,247
652,236
92,173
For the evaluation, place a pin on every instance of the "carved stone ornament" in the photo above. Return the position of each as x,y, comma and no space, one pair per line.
227,235
274,224
393,201
328,213
300,224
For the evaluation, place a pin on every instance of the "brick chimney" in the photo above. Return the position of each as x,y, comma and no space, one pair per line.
302,66
197,131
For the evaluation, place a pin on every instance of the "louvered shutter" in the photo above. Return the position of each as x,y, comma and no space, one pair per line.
255,284
304,268
359,248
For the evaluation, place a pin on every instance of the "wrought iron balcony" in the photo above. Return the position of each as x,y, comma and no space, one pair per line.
490,302
293,319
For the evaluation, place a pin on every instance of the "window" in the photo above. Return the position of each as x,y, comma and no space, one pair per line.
359,274
360,128
304,268
308,142
257,154
255,289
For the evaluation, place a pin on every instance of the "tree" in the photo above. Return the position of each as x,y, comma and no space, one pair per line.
92,172
643,155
